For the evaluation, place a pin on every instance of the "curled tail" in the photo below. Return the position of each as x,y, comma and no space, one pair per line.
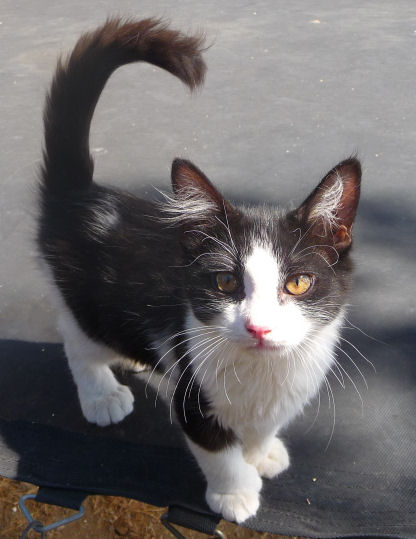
80,79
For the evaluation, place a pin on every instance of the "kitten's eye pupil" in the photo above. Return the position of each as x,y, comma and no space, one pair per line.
298,285
226,282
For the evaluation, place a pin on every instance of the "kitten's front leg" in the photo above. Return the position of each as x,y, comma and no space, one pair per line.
268,454
102,398
234,486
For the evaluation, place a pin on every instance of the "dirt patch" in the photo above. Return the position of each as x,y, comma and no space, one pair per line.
106,517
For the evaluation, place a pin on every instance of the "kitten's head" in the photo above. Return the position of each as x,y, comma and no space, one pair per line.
268,279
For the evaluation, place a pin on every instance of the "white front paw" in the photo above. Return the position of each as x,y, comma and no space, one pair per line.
106,408
236,506
276,460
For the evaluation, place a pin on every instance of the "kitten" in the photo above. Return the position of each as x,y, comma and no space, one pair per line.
235,309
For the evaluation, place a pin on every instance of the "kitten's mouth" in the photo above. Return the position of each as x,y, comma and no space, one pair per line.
264,346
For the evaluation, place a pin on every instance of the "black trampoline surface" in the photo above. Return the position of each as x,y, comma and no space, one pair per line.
292,88
360,480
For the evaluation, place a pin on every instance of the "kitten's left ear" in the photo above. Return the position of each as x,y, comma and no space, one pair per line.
196,198
330,209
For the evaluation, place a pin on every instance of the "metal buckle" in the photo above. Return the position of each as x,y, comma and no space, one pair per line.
36,525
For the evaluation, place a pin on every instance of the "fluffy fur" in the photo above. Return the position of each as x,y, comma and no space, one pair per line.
195,288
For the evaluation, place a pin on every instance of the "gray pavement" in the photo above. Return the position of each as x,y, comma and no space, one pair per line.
292,88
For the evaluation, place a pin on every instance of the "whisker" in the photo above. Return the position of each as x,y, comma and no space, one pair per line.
353,362
203,334
225,387
300,238
354,385
187,352
186,331
216,240
362,355
363,332
199,391
193,377
340,381
323,258
181,376
331,397
334,414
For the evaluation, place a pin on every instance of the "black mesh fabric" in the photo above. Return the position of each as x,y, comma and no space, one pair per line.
354,478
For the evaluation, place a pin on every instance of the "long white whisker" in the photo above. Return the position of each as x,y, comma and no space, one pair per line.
187,352
334,416
216,240
186,332
183,372
199,391
317,391
192,379
300,238
363,332
353,362
362,355
288,364
313,247
308,343
228,228
235,372
224,376
331,396
200,334
194,375
323,258
354,385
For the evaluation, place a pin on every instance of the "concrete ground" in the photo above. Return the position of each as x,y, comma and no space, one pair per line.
292,88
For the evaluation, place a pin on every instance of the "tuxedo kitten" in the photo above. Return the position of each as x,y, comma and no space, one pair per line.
235,309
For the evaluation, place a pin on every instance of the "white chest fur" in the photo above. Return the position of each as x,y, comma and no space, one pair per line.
264,391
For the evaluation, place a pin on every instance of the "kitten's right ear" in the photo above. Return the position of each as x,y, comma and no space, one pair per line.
196,199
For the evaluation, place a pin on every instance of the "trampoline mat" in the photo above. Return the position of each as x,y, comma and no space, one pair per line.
355,476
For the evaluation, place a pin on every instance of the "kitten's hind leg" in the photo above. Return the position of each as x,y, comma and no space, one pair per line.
103,400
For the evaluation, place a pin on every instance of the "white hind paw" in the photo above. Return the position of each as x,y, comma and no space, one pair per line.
276,460
112,407
237,506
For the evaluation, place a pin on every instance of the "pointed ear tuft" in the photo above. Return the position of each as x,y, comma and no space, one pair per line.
196,202
188,182
330,209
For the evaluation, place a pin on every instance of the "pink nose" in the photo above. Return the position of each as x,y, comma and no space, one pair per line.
258,332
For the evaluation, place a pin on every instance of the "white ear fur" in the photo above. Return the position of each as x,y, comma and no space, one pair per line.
195,201
330,201
188,204
330,209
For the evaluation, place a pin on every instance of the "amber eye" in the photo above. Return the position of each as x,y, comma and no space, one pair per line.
299,284
226,282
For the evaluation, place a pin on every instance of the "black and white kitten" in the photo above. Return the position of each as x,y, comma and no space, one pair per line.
235,309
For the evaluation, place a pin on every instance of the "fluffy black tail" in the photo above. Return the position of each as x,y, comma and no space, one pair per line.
80,79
